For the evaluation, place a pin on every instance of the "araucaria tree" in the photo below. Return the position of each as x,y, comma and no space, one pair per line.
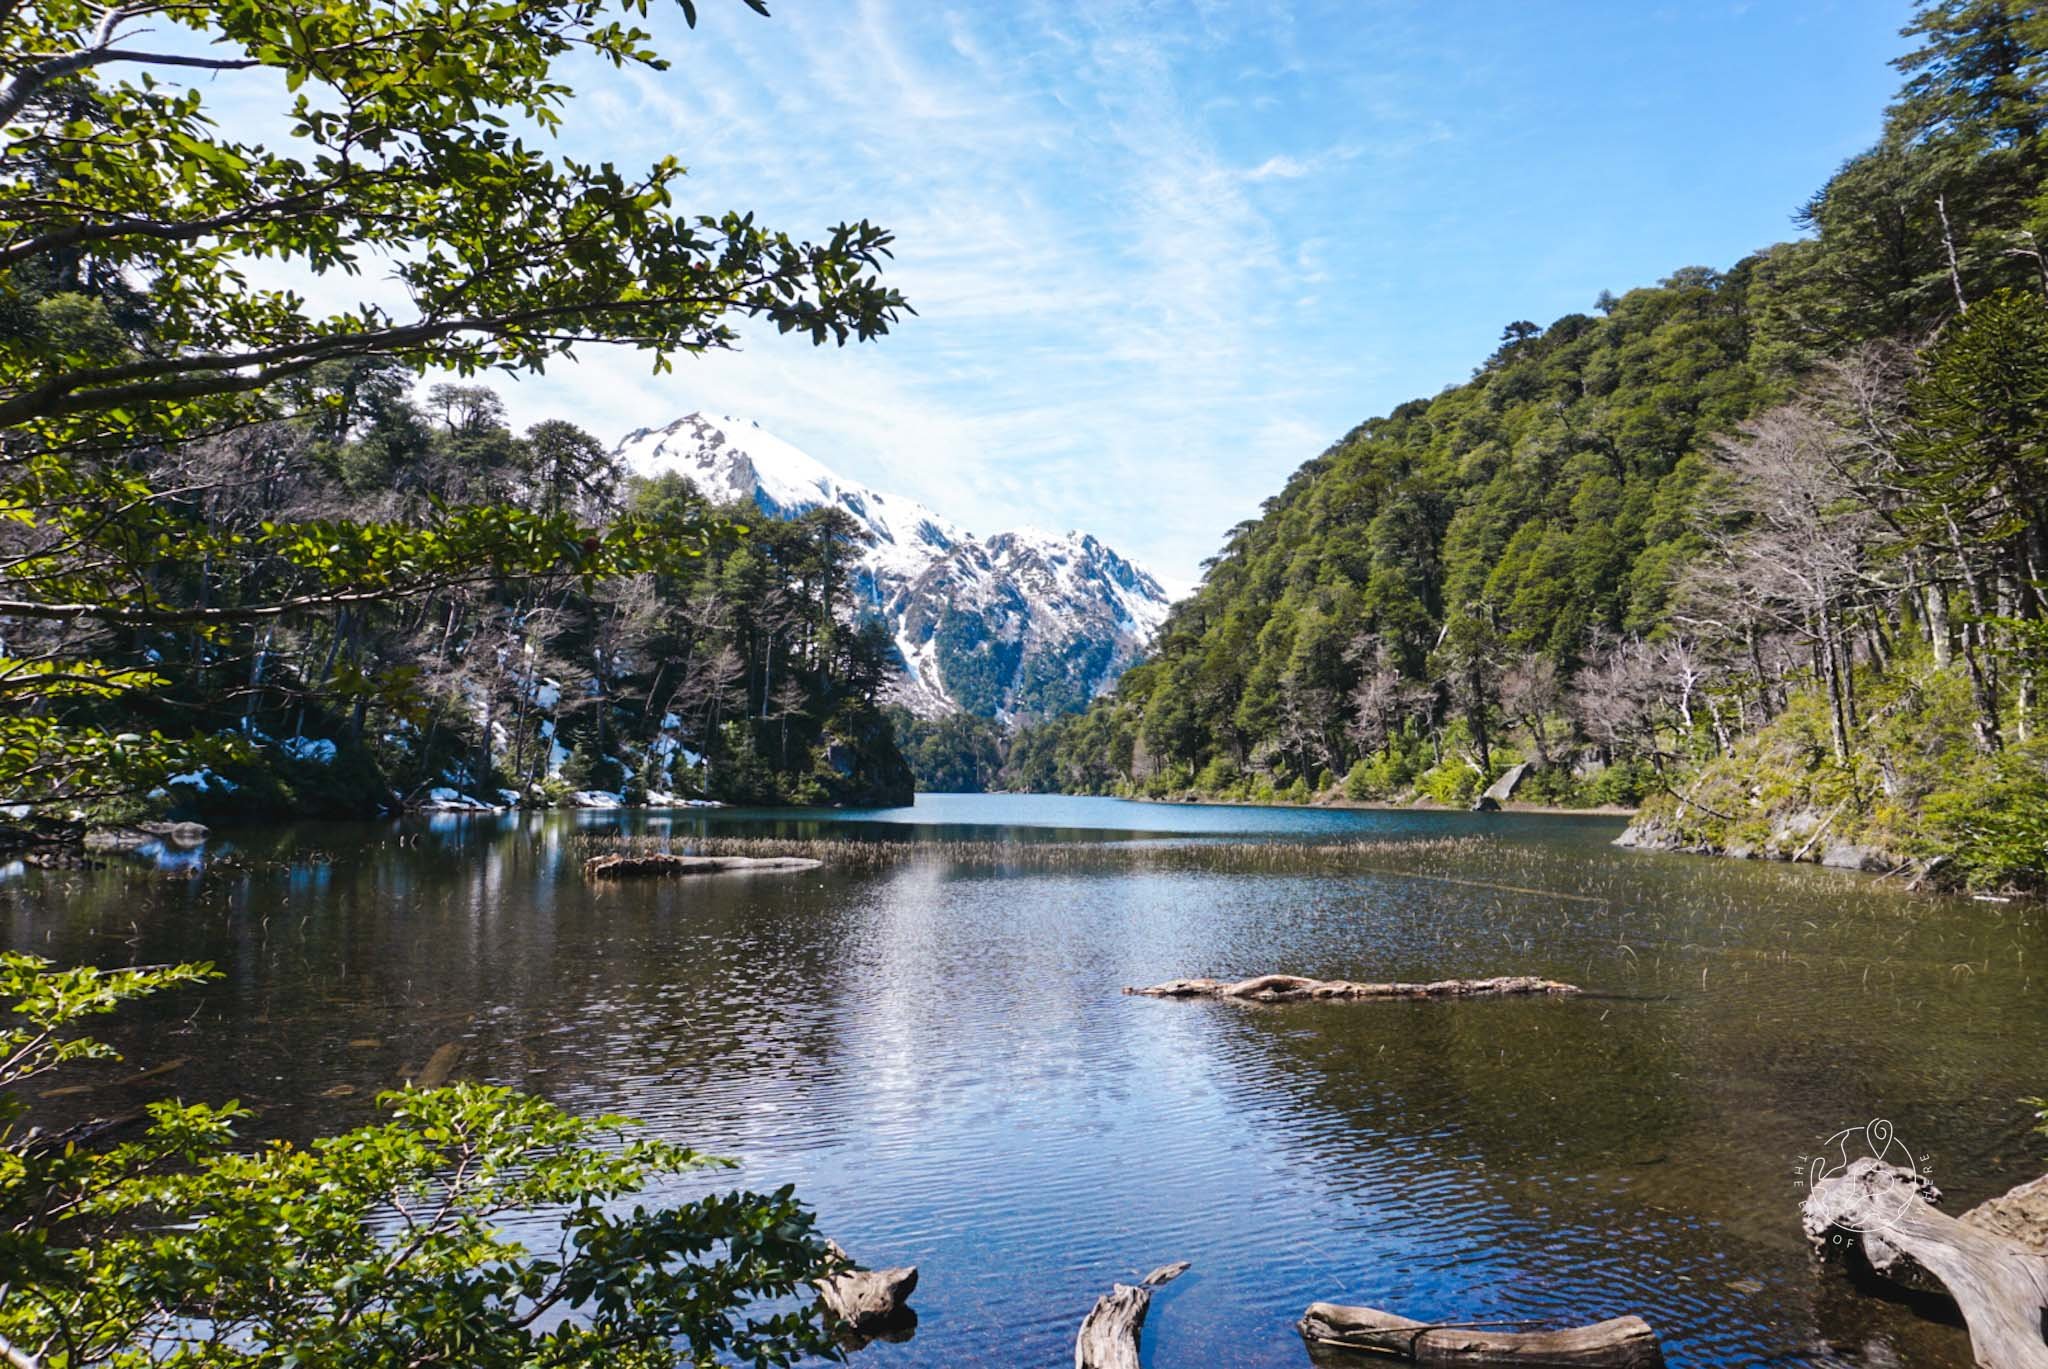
185,453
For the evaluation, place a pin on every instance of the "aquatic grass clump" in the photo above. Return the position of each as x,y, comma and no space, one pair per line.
1250,857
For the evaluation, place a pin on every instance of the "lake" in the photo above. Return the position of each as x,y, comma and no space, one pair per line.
936,1050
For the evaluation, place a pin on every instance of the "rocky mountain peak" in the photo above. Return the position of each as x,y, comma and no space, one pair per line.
1022,622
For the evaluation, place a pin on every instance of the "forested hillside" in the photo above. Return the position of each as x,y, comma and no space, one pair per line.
1763,547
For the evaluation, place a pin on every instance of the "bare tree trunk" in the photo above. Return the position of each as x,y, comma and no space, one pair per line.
355,655
519,717
1763,681
1999,1281
1983,684
256,680
1825,665
1846,649
1938,632
1948,240
1109,1334
1934,613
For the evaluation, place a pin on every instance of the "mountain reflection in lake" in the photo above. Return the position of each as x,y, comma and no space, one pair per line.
937,1054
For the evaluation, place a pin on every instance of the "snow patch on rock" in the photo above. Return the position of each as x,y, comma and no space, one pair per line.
1023,621
319,750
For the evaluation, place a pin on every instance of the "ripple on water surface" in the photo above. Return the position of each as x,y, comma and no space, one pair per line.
935,1049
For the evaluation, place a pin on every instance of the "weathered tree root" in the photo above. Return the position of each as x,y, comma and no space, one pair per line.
1109,1333
868,1304
1288,988
1620,1343
664,866
1992,1261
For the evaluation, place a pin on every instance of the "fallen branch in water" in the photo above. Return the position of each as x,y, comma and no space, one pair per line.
662,865
1110,1331
1992,1261
1620,1343
1290,988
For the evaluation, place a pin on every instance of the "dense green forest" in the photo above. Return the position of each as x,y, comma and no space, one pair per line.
960,753
721,668
1760,548
247,571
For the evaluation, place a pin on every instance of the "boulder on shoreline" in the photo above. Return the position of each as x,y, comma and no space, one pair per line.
1503,789
1802,836
135,836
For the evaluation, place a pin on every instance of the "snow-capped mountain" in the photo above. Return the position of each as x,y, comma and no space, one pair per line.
1021,622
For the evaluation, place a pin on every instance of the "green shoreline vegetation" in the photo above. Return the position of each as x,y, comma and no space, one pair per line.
1763,551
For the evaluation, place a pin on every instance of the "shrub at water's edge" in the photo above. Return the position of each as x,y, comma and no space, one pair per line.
385,1245
1916,793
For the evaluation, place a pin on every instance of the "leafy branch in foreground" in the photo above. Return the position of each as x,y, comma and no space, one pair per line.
403,109
473,1226
148,573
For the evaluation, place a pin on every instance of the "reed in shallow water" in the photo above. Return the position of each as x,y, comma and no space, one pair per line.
849,853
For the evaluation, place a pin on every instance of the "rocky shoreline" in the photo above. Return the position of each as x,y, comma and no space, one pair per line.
1800,836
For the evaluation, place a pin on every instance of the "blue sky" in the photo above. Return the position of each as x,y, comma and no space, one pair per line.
1163,253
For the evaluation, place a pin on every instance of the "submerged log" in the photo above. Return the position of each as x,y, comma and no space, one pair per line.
440,1065
1998,1280
1620,1343
869,1303
1291,988
140,1077
86,1133
1110,1331
661,865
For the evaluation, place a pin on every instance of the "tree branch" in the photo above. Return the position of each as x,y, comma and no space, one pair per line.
23,87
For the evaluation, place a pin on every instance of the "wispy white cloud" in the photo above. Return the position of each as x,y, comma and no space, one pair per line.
1162,251
1096,290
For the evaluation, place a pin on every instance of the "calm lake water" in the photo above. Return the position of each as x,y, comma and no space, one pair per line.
937,1052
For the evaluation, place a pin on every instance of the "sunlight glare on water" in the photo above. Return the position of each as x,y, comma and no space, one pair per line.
935,1049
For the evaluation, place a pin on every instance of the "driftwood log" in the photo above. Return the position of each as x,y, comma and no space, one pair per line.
1110,1331
1991,1262
1621,1343
662,865
2021,1213
869,1303
1291,988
